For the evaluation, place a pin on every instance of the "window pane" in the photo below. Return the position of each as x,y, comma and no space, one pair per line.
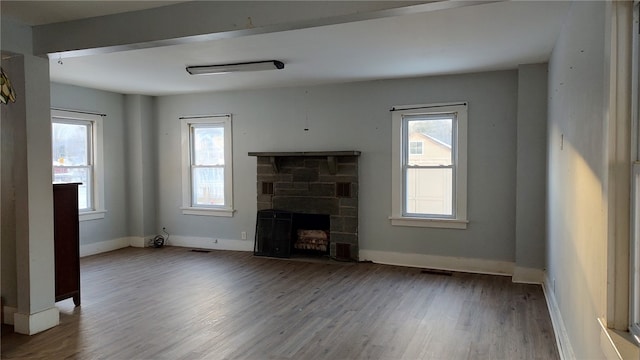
436,139
64,175
208,146
429,191
70,144
208,186
84,190
81,175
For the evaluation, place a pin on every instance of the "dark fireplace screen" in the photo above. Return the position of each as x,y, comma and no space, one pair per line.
283,234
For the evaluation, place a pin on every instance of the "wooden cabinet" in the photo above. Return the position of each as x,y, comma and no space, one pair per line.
67,241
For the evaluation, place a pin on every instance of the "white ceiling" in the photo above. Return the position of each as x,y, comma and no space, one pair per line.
468,39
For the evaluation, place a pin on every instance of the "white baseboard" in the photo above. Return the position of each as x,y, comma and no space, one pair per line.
174,240
139,241
210,243
7,314
450,263
104,246
562,337
525,275
30,324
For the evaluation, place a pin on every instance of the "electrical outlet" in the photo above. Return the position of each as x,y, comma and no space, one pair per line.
243,235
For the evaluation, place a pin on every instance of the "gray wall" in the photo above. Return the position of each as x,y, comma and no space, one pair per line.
34,247
149,165
19,42
356,116
141,165
14,67
577,175
115,223
531,166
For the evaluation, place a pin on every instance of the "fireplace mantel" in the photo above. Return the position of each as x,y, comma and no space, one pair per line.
330,155
305,153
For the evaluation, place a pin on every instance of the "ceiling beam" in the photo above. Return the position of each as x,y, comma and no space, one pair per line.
210,20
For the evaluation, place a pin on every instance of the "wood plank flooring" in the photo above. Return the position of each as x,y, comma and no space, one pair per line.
172,303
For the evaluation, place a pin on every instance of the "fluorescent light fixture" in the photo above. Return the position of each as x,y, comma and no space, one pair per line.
228,68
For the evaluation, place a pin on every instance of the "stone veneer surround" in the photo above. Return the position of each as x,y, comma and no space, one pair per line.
314,183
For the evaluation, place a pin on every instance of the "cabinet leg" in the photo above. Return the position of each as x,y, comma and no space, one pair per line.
76,299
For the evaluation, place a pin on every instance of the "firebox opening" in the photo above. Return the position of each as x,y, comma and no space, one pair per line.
310,235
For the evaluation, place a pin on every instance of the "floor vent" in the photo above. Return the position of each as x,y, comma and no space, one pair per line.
200,250
343,251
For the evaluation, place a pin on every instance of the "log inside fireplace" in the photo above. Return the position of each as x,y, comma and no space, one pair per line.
316,240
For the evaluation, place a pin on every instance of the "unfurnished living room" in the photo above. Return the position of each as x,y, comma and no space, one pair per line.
320,179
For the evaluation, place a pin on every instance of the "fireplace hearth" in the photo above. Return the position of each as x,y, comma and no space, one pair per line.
307,204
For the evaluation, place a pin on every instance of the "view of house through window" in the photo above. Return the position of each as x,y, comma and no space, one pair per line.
429,169
72,157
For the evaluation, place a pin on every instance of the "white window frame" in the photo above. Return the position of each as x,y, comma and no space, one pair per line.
188,208
634,293
459,218
97,210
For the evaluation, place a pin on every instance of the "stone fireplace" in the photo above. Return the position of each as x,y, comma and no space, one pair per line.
322,184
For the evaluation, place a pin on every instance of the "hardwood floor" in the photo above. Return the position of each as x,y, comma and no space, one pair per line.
172,303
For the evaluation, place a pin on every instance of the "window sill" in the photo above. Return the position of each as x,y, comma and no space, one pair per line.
91,215
207,212
622,343
430,223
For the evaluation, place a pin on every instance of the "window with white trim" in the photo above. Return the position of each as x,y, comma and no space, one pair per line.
634,301
207,166
430,181
77,158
